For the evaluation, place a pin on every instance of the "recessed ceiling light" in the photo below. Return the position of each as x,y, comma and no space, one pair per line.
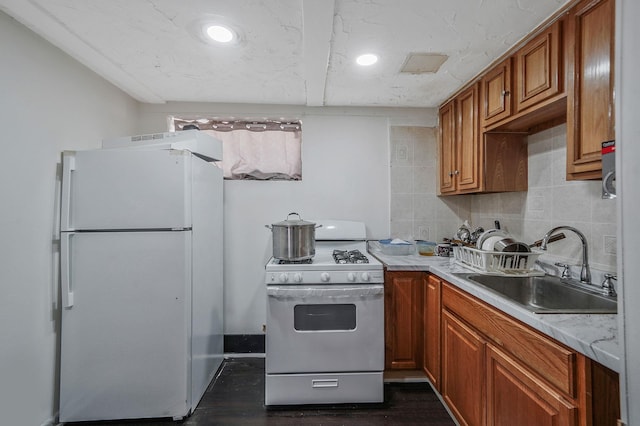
220,33
367,59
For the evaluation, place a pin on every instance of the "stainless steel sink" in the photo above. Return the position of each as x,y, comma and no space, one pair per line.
547,294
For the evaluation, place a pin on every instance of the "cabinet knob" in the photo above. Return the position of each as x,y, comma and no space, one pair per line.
456,172
505,93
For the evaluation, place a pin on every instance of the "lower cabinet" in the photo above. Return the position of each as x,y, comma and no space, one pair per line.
463,360
489,368
497,371
403,319
431,327
516,396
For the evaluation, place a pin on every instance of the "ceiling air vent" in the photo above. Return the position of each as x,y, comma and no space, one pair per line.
422,63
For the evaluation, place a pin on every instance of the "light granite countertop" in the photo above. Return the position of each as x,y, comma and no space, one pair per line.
593,335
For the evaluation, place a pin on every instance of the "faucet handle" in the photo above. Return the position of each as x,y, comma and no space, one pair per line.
607,286
565,271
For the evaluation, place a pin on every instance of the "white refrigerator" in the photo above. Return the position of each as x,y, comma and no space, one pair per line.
141,277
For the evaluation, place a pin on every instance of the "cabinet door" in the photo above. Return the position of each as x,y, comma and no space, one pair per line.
515,396
468,147
495,92
431,323
590,115
447,152
539,68
403,320
463,365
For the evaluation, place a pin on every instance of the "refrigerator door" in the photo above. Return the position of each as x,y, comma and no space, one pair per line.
126,189
126,336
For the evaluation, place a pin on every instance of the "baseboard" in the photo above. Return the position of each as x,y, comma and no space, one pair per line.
244,343
51,421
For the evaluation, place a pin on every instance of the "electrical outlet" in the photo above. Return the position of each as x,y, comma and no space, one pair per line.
423,232
609,244
402,152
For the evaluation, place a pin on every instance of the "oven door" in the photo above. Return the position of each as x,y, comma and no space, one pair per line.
316,328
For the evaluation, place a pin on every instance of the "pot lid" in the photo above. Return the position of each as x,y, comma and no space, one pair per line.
294,222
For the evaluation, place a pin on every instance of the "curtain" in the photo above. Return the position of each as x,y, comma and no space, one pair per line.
264,155
261,150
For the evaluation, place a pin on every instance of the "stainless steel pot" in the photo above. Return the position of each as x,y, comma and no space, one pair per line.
293,239
511,245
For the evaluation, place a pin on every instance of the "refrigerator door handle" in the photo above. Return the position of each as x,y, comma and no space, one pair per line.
65,270
68,165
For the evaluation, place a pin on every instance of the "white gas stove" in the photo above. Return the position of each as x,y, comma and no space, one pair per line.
335,262
325,322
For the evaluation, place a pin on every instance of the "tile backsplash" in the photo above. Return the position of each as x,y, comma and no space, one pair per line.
418,213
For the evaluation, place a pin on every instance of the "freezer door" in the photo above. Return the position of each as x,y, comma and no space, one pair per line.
126,189
125,339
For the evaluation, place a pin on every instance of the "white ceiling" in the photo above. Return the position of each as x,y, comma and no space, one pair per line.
296,52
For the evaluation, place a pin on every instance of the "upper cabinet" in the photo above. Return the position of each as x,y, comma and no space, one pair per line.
468,153
539,68
563,72
590,112
526,90
495,91
447,148
460,153
473,162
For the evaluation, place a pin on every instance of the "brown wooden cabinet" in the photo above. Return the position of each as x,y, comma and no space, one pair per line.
539,68
590,113
463,351
447,148
403,319
516,396
496,94
497,162
431,328
498,371
460,150
468,147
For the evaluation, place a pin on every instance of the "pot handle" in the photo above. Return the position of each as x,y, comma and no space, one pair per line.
292,213
269,227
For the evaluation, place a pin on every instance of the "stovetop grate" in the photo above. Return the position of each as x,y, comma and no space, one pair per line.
349,256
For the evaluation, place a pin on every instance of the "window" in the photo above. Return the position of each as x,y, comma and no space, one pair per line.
254,150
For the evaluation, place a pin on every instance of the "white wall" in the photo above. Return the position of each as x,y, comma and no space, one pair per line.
628,177
48,103
345,175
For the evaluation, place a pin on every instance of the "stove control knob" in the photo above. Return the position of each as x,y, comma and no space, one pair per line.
325,277
351,277
365,276
297,277
283,278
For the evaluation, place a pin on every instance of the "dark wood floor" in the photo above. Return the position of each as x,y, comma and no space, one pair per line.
236,397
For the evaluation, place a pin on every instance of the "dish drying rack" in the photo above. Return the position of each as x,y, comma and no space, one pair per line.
497,262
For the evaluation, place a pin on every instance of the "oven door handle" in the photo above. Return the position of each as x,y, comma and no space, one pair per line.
324,383
335,291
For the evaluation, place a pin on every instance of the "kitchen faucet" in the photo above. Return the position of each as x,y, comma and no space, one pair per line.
585,272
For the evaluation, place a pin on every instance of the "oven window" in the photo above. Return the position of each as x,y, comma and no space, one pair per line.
330,317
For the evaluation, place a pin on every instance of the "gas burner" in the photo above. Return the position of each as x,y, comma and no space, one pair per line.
293,262
353,256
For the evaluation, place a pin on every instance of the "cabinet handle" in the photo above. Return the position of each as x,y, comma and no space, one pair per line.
450,174
505,93
456,172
